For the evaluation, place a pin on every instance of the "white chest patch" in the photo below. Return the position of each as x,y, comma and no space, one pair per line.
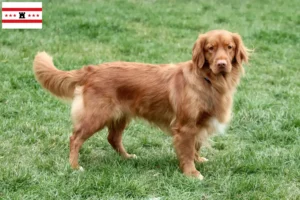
218,127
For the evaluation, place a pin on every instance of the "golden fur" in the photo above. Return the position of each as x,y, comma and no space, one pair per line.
188,100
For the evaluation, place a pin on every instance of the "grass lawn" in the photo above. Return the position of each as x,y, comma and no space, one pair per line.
258,157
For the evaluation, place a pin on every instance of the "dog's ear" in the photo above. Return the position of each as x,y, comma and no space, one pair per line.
241,52
198,51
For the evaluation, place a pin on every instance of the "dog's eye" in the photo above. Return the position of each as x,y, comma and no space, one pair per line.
230,47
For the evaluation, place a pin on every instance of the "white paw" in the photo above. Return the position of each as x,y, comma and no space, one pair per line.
134,156
130,156
202,159
200,177
80,169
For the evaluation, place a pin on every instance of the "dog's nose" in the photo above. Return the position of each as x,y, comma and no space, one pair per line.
222,63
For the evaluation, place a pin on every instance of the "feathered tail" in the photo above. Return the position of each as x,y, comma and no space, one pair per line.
60,83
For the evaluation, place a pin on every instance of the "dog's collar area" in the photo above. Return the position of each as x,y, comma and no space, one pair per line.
207,80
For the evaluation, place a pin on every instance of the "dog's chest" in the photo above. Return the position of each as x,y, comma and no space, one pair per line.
216,126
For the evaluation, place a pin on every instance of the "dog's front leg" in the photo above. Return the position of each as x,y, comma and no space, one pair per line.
184,143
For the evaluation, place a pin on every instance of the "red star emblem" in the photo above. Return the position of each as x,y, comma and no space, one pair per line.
6,15
33,15
29,15
14,15
37,15
10,15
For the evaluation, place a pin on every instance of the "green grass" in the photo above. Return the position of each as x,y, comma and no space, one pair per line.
258,158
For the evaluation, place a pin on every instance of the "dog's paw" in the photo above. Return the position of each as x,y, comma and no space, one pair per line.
194,174
132,156
78,169
81,169
200,177
201,159
129,156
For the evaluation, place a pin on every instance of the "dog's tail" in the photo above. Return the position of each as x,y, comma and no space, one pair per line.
60,83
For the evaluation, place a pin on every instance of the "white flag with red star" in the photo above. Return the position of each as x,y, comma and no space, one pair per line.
22,15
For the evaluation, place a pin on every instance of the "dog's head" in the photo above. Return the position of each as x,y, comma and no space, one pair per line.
220,50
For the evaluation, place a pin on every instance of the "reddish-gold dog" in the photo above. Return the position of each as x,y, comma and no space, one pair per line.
189,100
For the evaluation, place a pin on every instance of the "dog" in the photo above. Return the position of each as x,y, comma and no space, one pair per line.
189,100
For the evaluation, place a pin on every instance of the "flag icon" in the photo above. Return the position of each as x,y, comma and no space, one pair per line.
22,15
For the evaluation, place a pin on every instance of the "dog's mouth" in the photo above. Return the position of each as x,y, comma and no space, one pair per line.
223,73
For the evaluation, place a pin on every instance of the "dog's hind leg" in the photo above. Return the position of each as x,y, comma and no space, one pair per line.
201,137
116,129
82,131
198,158
88,118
